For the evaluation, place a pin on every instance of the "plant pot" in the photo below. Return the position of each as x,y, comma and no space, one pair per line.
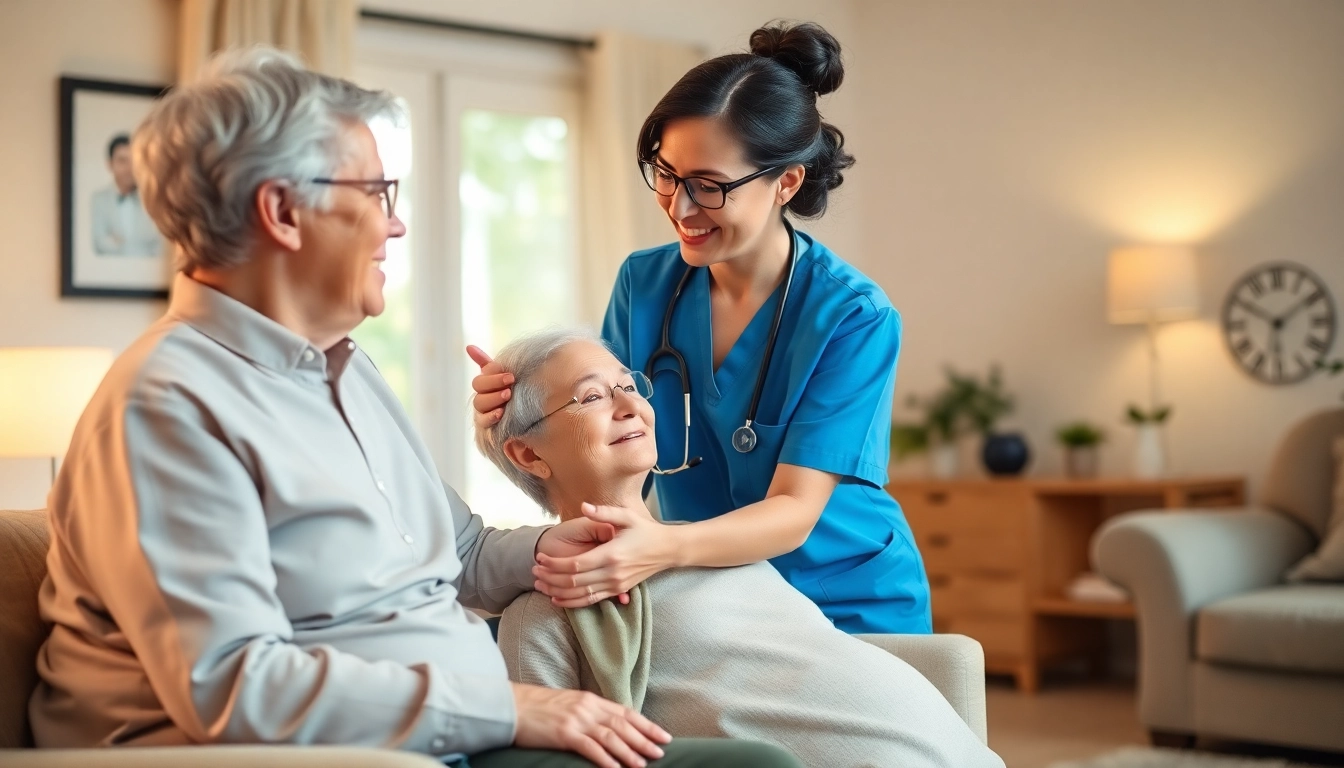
1150,457
943,460
1005,453
1080,461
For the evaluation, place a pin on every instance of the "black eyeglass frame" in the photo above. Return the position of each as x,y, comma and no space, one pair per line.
387,189
724,186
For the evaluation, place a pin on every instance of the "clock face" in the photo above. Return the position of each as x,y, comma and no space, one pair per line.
1279,321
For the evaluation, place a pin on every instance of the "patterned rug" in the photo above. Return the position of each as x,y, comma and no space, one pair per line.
1142,757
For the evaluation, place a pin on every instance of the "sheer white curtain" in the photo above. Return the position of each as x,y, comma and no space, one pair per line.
625,76
322,32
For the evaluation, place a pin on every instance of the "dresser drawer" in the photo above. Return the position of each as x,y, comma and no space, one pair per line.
972,552
954,596
977,509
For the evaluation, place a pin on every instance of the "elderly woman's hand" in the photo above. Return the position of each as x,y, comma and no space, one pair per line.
642,547
491,387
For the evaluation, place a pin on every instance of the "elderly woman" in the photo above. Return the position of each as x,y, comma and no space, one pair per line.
703,651
250,544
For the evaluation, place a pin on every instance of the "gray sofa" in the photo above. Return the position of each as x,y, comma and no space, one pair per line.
955,664
1226,648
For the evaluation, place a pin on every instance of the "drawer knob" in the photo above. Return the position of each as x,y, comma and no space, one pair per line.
939,581
939,540
937,497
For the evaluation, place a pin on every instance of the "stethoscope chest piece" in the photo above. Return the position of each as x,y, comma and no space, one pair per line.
744,439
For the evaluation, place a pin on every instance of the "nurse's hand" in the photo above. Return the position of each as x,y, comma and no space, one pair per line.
491,387
642,547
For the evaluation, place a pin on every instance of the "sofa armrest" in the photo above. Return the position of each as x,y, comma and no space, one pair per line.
955,664
216,757
1176,562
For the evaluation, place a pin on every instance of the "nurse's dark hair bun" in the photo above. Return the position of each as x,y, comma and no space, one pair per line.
768,100
805,49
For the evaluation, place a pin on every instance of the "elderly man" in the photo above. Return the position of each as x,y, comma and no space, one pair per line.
249,542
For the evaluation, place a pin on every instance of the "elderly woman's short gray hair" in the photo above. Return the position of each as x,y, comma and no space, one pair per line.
524,357
253,115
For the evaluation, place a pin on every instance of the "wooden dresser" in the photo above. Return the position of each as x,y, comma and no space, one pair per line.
999,554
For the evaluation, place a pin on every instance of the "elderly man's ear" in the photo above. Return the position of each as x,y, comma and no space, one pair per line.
278,214
526,459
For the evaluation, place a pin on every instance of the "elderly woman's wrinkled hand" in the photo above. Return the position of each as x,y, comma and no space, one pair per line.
603,731
641,548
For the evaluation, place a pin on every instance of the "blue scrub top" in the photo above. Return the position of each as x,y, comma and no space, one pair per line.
825,404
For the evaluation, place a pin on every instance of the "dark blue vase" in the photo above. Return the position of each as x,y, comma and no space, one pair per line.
1005,453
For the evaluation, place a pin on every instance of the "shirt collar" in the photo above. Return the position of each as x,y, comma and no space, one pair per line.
250,334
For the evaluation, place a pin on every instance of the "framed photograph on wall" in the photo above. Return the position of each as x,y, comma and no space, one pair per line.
109,245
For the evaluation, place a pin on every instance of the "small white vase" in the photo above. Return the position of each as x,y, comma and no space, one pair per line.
1150,458
1080,462
943,459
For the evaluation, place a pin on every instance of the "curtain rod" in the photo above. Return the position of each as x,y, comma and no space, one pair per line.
480,29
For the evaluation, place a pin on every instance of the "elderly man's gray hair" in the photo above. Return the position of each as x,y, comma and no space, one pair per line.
524,357
253,115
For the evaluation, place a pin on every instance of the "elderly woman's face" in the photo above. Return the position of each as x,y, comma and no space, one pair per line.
602,436
349,240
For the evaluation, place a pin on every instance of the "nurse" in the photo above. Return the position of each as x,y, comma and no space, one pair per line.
773,360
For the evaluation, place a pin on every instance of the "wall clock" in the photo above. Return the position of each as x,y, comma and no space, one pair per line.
1279,321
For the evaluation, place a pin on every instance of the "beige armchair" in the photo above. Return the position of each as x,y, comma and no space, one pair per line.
1226,647
953,663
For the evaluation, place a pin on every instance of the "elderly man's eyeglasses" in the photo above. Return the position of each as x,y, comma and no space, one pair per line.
635,384
384,188
705,193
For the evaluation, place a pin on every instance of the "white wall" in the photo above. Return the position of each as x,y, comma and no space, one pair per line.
1010,145
40,40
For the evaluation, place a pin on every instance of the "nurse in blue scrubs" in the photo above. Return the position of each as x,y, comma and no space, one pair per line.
788,354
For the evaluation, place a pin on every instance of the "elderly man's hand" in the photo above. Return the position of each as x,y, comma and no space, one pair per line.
603,731
640,548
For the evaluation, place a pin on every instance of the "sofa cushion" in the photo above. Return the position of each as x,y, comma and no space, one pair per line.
1327,562
23,565
1294,627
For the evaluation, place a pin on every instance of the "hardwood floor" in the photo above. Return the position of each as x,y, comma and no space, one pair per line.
1065,720
1075,718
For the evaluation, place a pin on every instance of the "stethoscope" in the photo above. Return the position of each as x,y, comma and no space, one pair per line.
744,437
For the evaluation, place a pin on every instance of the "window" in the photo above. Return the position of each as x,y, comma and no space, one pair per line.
490,181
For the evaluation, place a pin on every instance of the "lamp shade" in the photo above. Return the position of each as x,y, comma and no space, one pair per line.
1151,284
43,390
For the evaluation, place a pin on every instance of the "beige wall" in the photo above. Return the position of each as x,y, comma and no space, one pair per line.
40,40
1009,145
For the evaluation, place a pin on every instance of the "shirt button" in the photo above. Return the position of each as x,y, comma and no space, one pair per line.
380,485
308,355
406,537
437,744
350,346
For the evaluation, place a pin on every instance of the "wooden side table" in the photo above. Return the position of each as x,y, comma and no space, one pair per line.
1000,553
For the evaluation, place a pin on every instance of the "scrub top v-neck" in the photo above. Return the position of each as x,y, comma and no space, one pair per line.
825,404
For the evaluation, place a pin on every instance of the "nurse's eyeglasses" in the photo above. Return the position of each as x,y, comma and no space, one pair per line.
384,188
705,193
634,385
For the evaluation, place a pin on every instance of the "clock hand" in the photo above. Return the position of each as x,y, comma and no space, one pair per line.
1293,310
1254,310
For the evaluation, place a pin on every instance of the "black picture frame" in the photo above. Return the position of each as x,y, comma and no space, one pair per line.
117,264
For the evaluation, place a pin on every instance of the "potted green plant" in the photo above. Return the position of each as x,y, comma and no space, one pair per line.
1334,367
1150,456
1080,440
936,432
964,405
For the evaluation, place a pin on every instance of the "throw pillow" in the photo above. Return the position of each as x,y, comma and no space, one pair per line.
1327,562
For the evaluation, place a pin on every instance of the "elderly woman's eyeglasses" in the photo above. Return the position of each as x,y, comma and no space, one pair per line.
635,384
705,193
384,188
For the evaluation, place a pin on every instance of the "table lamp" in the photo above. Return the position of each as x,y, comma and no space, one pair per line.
1149,285
43,391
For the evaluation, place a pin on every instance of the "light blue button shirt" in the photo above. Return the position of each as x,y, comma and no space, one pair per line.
826,404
